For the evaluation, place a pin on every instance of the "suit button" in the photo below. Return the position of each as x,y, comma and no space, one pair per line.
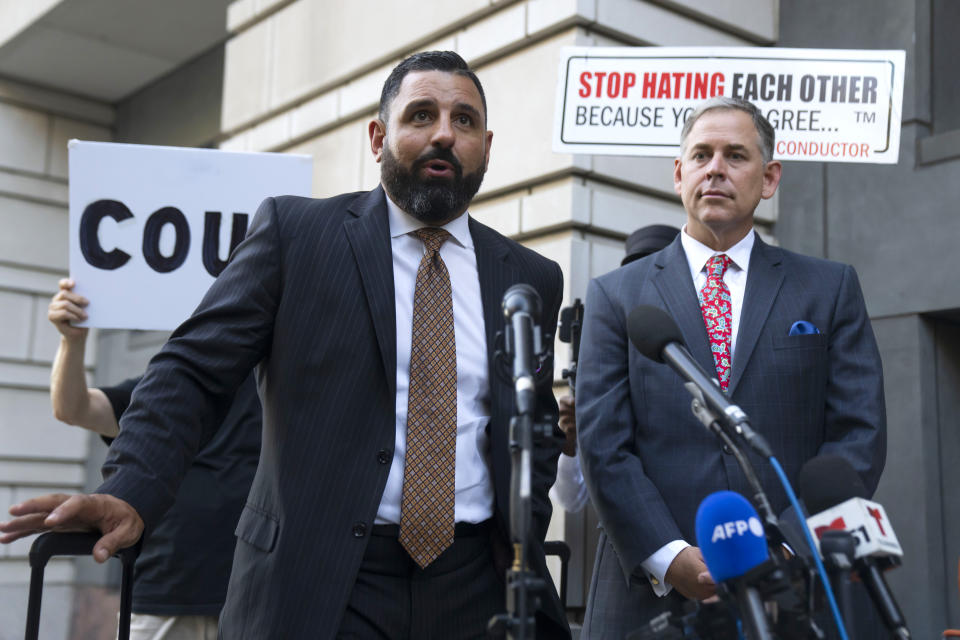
383,456
727,450
359,530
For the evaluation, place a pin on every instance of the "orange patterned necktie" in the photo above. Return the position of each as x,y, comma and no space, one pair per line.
427,501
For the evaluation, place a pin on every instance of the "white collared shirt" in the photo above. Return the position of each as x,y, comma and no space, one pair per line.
735,277
473,485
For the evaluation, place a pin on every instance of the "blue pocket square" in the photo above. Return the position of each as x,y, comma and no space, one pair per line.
803,328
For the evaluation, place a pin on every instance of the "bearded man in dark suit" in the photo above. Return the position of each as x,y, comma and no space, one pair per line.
379,508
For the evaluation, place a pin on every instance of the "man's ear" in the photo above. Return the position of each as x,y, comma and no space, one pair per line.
486,160
677,176
378,133
771,178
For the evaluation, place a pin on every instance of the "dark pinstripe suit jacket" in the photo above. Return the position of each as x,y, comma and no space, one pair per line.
648,462
309,297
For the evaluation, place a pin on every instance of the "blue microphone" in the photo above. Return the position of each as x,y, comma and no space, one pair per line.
730,535
731,538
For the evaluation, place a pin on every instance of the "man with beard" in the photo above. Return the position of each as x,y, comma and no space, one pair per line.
379,508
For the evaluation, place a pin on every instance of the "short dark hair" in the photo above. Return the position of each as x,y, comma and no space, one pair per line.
427,61
764,129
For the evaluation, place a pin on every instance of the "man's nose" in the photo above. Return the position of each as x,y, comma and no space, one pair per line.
443,134
717,166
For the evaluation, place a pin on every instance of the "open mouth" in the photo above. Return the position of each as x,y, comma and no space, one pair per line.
439,169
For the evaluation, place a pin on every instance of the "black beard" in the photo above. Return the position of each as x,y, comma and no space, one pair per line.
430,200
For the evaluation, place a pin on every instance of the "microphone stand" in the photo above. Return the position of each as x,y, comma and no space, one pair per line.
571,323
703,413
773,575
522,341
839,549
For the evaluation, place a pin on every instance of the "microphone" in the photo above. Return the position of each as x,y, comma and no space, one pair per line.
830,486
731,538
654,333
521,309
828,480
838,549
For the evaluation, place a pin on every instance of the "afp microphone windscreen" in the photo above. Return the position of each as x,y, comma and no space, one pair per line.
651,329
730,535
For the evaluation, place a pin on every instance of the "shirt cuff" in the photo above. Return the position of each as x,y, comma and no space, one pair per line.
657,564
570,490
569,466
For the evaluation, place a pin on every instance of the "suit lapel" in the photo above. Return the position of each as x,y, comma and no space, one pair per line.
675,285
368,233
764,278
496,274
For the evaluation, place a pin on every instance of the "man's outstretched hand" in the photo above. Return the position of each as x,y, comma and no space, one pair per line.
118,522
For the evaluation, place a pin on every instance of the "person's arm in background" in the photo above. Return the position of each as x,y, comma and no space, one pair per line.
570,490
73,402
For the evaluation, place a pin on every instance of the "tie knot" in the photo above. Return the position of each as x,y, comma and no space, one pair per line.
717,265
432,237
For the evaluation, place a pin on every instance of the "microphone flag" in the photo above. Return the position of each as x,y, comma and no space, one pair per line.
866,520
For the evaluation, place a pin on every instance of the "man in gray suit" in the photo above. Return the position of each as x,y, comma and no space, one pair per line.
379,507
787,336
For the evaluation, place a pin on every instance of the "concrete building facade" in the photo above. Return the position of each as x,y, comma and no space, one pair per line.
304,76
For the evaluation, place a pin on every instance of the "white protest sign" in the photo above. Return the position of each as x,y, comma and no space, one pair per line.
827,105
150,227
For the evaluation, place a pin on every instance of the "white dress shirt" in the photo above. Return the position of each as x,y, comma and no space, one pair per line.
473,484
735,277
569,490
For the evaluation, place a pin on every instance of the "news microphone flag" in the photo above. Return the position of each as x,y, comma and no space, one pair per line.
866,520
730,535
834,490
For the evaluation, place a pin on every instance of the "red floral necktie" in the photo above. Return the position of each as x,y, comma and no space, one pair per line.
717,309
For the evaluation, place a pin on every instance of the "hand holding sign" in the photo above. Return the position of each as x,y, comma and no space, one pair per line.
66,310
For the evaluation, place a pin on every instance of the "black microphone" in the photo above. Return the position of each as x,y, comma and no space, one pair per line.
654,333
521,308
827,480
833,490
839,549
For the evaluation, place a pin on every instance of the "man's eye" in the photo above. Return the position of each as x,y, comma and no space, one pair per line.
736,156
421,116
699,155
465,120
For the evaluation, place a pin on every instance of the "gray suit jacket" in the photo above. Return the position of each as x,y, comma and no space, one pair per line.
648,462
308,296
